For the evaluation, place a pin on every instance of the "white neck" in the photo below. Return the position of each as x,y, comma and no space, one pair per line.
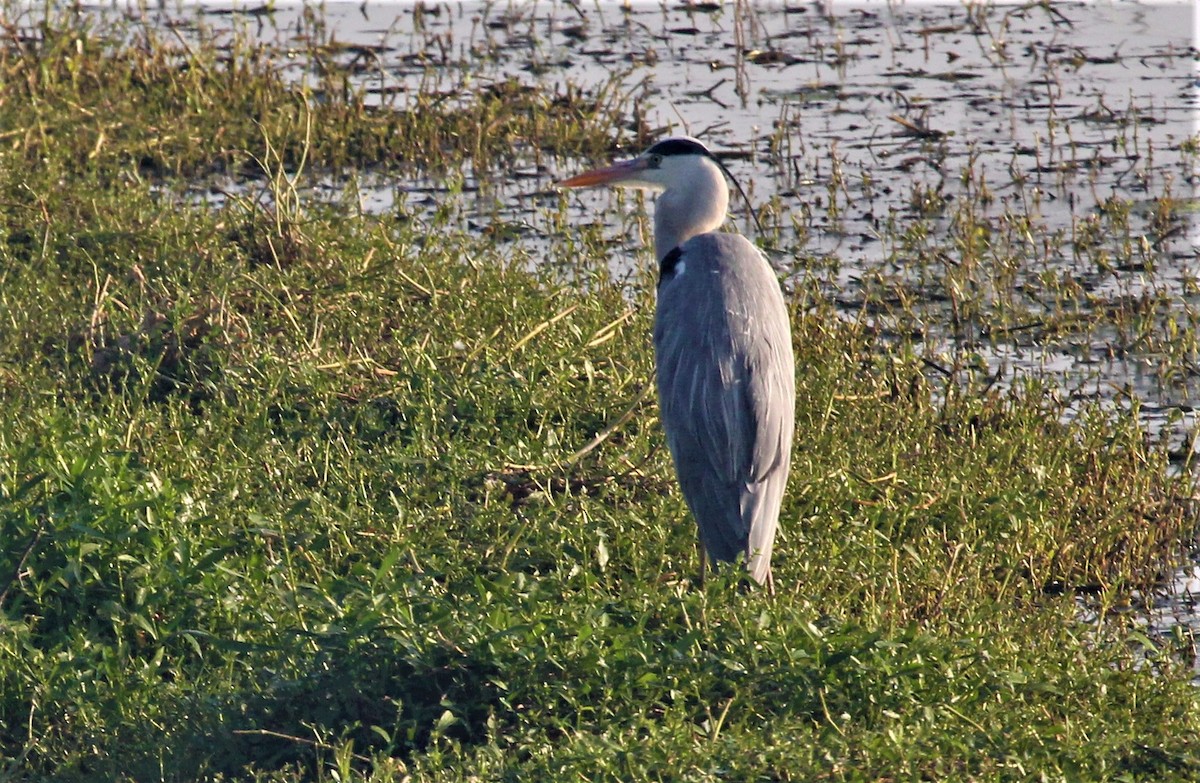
693,204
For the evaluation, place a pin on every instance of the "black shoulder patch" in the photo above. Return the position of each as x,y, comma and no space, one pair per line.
679,147
666,270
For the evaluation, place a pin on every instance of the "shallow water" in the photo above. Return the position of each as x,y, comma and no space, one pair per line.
846,115
852,122
1176,609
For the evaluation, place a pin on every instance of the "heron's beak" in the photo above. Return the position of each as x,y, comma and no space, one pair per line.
614,174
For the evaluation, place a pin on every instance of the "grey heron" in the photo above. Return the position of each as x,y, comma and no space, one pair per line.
723,354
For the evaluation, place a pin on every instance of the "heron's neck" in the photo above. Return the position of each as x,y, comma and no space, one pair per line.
695,206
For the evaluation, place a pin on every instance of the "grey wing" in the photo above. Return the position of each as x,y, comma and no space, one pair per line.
727,392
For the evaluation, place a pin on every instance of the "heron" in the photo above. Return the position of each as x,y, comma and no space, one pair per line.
723,354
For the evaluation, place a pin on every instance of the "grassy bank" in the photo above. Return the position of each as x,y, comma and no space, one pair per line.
297,493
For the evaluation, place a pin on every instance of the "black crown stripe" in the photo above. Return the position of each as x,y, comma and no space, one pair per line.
679,147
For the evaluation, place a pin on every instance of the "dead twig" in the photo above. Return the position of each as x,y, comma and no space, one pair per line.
16,574
292,738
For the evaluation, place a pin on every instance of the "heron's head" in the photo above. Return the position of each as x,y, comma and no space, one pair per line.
671,163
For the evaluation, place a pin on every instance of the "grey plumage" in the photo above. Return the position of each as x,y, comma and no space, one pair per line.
726,384
723,349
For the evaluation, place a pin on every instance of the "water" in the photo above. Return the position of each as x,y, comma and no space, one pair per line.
860,106
796,88
851,123
850,117
1176,610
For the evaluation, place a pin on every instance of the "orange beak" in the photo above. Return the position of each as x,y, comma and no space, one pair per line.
615,173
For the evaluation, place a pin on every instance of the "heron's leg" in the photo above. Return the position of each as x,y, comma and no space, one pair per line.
770,583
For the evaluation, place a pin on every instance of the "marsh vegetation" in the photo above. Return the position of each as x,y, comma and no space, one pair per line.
326,455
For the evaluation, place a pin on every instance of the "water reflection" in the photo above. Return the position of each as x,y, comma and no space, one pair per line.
860,131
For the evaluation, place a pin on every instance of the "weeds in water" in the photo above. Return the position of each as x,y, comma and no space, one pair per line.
291,492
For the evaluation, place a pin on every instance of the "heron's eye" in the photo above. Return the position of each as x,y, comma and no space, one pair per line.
655,161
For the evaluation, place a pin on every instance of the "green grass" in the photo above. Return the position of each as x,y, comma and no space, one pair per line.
299,494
